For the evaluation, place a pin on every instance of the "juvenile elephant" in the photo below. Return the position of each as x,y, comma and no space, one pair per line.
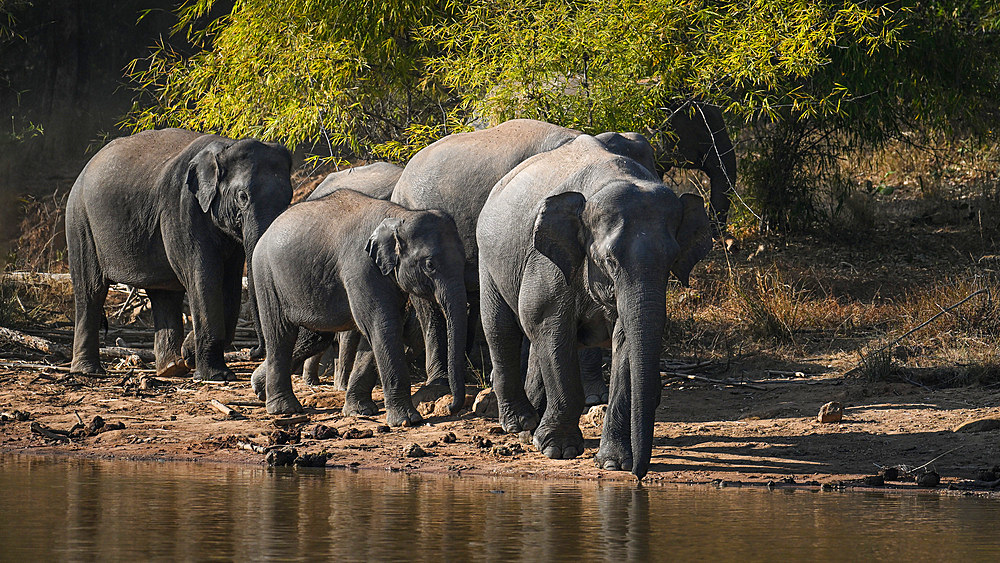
347,261
575,248
456,173
375,180
172,211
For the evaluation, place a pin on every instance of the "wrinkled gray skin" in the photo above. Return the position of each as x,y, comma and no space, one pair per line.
357,271
375,180
699,140
456,174
172,211
576,246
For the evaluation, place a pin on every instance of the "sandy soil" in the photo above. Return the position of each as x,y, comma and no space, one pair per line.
763,430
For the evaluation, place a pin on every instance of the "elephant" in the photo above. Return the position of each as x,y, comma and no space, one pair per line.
375,180
698,139
172,211
575,249
456,173
357,271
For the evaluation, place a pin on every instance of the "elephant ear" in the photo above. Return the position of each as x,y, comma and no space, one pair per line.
694,236
558,232
383,245
203,175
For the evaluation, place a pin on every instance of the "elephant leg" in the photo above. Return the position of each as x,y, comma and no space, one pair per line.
90,289
310,369
555,356
308,350
504,336
435,340
363,377
595,390
347,350
274,376
615,452
383,327
169,328
534,386
207,301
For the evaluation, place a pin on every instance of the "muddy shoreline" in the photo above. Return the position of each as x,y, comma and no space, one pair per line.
761,434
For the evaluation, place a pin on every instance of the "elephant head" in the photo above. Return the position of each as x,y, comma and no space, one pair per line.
425,253
628,238
242,186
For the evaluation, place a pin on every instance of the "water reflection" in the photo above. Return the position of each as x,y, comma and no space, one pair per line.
78,509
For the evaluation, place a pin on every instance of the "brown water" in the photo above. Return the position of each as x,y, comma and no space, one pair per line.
117,510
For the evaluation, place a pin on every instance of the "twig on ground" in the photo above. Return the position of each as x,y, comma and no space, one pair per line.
42,430
703,379
226,410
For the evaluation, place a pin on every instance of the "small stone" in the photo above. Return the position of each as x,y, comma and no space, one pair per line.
449,438
21,416
323,432
281,457
595,416
442,407
979,425
929,479
311,460
485,404
414,450
874,481
831,412
279,437
481,442
383,429
508,449
496,431
95,425
355,434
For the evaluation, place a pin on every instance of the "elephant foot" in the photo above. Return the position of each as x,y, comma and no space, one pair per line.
257,353
439,380
516,418
175,368
362,407
613,458
87,367
285,403
595,393
402,416
310,379
217,374
258,382
558,442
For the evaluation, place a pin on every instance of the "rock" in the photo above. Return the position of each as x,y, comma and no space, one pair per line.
449,438
355,434
323,432
508,449
979,425
595,415
281,457
279,437
430,394
485,404
496,431
383,429
311,460
442,407
481,442
425,409
414,450
929,479
431,444
831,412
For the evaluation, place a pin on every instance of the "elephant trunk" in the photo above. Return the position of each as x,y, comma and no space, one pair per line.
252,232
643,314
452,300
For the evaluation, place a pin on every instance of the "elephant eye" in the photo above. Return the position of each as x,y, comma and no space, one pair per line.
428,265
242,198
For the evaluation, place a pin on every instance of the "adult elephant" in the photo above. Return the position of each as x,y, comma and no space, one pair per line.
697,139
456,173
357,272
172,211
374,180
575,249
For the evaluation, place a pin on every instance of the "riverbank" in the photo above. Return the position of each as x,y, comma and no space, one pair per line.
762,429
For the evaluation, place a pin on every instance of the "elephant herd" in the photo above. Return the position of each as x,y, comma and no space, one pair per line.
551,242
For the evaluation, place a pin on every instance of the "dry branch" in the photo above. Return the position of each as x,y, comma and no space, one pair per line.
42,430
703,379
34,342
226,410
121,352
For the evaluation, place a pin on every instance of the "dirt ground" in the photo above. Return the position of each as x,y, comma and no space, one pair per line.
759,430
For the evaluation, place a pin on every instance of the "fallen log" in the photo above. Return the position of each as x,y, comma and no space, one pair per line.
34,342
42,430
17,364
121,352
226,410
